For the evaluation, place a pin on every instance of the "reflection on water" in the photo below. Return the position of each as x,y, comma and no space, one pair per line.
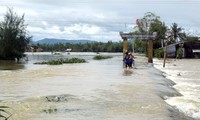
10,65
97,90
128,72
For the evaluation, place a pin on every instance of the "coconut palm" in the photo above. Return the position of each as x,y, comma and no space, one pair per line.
178,35
4,113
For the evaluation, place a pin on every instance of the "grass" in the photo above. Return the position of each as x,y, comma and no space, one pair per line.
62,61
101,57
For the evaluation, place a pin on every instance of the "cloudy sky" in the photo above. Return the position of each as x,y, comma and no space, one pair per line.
99,20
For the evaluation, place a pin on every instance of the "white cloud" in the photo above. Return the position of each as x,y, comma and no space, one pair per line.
98,19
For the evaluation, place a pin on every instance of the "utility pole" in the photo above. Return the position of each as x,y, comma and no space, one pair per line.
169,34
165,52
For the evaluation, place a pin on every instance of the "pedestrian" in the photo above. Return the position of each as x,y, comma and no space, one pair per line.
126,59
130,60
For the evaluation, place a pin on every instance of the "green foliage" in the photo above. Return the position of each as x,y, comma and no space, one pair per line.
192,38
159,53
62,61
155,25
50,110
54,62
177,32
100,57
179,53
13,36
4,113
140,46
160,28
149,18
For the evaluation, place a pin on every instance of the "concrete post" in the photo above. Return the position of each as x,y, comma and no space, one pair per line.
125,45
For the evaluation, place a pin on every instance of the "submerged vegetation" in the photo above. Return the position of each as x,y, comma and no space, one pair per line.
50,110
62,61
54,62
73,60
100,57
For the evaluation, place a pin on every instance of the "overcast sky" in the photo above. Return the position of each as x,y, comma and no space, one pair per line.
99,20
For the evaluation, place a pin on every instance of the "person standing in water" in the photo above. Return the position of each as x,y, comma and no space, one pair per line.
126,59
130,60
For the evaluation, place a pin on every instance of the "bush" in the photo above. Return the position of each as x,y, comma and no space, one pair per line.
179,53
159,53
100,57
54,62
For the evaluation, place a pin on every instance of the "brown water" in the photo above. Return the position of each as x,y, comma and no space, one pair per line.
96,90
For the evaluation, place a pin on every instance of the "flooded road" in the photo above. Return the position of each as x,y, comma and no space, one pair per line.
96,90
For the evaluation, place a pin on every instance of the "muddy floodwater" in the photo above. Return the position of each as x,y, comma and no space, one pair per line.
96,90
186,74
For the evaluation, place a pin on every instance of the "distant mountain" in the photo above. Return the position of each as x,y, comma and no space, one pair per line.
56,41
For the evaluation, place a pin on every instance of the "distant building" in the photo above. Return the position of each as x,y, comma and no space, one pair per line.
68,50
39,49
33,49
29,49
190,49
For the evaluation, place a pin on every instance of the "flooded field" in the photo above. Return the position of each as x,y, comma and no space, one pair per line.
96,90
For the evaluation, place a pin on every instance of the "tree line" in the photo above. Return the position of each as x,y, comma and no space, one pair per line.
87,47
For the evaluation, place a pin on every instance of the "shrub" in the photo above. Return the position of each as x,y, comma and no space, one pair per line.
54,62
100,57
159,53
179,53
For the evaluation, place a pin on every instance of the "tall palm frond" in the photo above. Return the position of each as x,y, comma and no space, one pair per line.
178,35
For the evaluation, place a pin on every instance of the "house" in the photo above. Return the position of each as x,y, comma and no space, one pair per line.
190,49
33,49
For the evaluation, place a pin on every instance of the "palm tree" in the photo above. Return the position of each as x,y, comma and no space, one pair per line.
178,35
